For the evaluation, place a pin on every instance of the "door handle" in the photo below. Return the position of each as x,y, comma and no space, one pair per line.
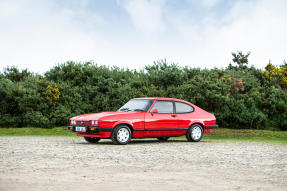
173,115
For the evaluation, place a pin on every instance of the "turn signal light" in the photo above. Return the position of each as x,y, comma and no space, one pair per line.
92,129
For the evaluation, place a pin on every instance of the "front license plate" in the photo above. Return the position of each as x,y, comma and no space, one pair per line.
80,129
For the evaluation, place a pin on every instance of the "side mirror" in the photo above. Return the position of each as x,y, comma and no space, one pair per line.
154,111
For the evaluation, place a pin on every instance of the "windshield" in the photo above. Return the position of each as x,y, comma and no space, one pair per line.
137,105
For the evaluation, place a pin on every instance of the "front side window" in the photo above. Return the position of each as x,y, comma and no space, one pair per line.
183,107
163,106
137,105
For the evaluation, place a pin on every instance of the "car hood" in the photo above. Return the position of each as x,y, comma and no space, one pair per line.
102,115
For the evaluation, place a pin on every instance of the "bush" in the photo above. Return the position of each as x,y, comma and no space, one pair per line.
240,96
36,119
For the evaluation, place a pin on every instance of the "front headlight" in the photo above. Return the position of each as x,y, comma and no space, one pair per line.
95,122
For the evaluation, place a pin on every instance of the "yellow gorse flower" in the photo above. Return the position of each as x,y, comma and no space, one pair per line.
52,93
271,72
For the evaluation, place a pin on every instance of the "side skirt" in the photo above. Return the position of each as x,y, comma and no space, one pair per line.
152,137
174,129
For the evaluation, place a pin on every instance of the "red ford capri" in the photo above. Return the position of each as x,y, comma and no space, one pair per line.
159,118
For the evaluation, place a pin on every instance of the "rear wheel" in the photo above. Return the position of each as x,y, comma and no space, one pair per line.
92,139
163,138
121,135
194,133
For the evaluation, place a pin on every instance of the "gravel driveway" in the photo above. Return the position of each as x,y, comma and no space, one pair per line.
57,163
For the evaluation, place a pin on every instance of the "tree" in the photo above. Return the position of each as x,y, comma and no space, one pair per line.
240,59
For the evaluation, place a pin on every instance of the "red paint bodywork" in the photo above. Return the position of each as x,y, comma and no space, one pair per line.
140,122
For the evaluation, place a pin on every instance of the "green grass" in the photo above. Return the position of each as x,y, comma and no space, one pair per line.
247,135
223,134
33,131
217,135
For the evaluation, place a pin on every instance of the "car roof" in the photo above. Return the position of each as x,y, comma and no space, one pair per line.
162,98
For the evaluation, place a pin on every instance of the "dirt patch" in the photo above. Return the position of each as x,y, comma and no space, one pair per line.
49,163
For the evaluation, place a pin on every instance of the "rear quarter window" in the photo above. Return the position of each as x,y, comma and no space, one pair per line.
183,108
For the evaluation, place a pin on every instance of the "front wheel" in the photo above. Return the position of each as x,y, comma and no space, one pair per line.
121,135
194,133
92,139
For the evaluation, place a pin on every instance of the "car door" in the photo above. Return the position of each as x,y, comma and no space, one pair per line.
162,123
184,114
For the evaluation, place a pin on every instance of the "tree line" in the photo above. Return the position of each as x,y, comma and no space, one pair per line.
240,96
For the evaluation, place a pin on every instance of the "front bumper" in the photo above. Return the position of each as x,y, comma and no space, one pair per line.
92,129
211,126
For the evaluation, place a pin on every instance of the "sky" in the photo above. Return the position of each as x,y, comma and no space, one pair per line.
39,34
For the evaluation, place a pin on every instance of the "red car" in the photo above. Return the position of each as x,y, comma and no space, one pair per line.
160,118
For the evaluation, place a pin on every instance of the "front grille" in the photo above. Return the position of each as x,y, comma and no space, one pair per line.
83,123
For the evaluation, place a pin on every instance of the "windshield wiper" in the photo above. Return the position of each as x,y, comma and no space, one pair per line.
138,110
125,109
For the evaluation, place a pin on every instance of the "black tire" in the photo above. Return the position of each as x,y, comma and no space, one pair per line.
92,139
197,134
163,138
121,135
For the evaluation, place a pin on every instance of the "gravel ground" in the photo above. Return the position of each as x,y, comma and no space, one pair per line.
58,163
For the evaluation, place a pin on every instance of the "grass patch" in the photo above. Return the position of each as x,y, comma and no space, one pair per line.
247,135
223,134
220,134
34,131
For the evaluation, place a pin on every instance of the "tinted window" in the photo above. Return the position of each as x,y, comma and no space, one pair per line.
163,106
183,107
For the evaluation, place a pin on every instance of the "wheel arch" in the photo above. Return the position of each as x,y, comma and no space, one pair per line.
127,124
198,123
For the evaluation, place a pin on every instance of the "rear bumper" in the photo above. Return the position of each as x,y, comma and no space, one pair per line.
91,129
211,126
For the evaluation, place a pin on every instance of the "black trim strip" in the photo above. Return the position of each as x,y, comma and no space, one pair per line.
109,129
211,126
104,129
153,137
171,129
97,129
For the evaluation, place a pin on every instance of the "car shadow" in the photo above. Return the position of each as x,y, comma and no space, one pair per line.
139,141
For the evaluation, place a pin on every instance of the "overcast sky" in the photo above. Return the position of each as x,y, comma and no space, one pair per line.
38,34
